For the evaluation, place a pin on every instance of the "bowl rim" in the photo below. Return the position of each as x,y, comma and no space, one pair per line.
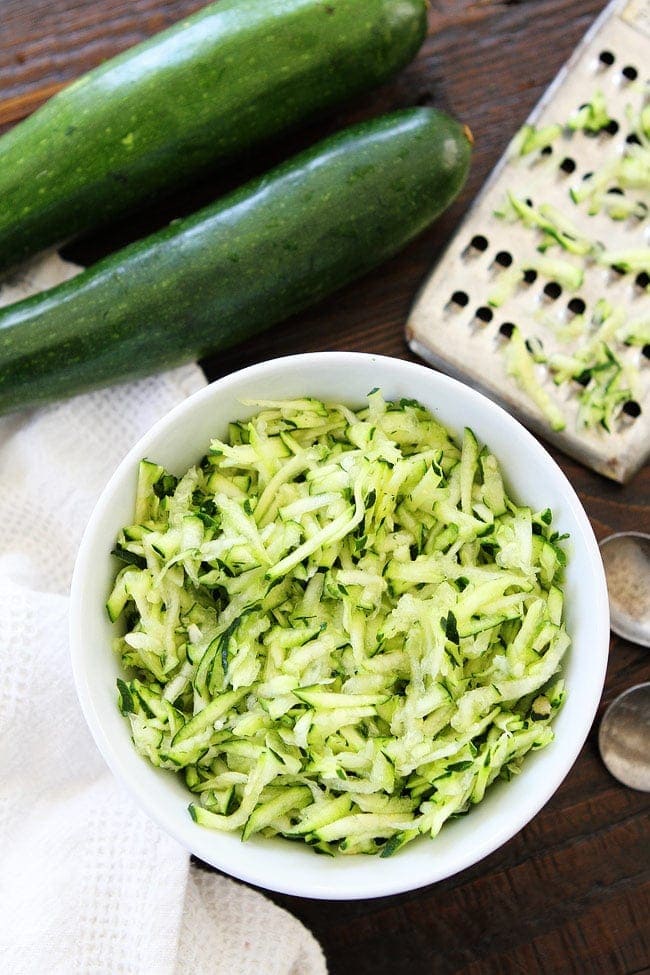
198,842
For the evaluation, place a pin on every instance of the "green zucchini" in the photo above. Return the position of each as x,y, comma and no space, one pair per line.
271,248
194,96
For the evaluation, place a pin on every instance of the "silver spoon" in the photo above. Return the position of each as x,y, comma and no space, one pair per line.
624,734
624,737
626,557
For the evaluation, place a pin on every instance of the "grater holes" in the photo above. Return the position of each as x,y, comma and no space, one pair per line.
628,415
552,290
506,329
484,314
630,73
606,58
645,351
547,151
503,259
529,276
459,298
633,139
478,243
577,306
642,280
583,379
611,128
632,409
534,345
568,165
617,190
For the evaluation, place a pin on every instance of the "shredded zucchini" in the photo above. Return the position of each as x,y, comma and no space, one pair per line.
338,627
531,139
593,116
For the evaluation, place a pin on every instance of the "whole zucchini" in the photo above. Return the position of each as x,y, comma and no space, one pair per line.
270,248
196,95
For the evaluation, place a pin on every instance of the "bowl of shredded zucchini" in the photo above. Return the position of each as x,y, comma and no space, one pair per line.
340,624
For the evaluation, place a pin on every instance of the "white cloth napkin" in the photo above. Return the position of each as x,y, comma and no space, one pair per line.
87,883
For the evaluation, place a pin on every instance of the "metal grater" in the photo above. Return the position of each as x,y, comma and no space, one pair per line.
452,325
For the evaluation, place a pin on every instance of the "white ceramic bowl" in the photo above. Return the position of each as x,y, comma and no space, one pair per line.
179,440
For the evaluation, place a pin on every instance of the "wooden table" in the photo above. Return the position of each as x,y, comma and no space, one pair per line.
571,892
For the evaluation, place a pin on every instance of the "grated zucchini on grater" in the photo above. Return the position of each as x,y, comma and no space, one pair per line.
542,298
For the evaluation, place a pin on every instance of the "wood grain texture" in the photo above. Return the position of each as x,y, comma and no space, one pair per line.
570,894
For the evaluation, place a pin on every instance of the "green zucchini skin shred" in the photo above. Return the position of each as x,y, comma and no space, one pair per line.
271,248
172,108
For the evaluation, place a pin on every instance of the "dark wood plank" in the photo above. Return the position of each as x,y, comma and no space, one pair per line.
570,895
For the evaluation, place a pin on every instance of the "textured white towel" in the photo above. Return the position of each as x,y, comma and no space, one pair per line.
87,884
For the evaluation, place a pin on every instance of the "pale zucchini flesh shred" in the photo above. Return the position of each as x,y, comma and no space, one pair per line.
338,627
